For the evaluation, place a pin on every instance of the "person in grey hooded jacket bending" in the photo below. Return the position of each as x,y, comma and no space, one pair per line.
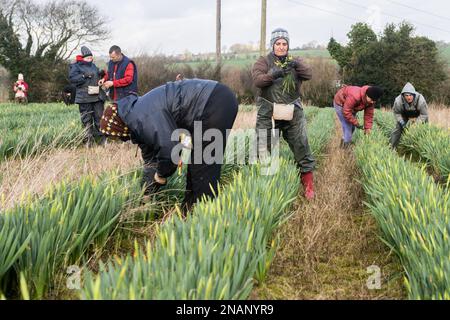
409,105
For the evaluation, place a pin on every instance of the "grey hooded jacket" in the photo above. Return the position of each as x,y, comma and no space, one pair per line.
417,109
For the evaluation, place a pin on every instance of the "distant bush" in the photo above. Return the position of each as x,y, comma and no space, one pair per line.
391,60
240,81
320,90
442,94
4,84
154,71
157,70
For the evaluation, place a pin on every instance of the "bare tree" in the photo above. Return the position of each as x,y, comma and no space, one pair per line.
54,29
36,39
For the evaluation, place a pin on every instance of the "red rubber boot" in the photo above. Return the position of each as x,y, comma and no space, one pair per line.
308,185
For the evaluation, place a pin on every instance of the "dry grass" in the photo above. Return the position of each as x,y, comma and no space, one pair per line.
245,120
32,176
440,115
330,242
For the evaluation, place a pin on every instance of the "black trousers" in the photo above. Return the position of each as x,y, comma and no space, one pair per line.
202,178
220,113
91,113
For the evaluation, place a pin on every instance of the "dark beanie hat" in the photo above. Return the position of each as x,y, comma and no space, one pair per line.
112,125
374,93
85,52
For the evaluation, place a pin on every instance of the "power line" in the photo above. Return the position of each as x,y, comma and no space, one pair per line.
394,16
365,8
321,9
417,9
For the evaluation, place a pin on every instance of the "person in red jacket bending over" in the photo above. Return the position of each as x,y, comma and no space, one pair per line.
348,101
122,75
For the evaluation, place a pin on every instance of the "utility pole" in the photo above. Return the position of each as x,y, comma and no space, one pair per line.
262,49
218,32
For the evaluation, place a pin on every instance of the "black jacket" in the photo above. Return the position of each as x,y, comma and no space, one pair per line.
79,77
153,117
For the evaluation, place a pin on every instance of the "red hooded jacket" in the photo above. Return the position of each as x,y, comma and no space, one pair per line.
352,100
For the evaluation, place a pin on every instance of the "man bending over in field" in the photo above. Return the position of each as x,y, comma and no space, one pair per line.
409,105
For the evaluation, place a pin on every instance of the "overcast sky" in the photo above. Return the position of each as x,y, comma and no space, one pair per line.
173,26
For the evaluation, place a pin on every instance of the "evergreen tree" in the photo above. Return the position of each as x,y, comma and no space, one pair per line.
391,60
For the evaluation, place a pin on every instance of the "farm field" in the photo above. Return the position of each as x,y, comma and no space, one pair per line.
64,205
243,60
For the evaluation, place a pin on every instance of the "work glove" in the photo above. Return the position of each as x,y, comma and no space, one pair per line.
152,187
288,70
402,123
277,74
149,182
293,64
87,75
160,180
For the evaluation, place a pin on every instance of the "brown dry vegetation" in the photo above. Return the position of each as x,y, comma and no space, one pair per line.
330,242
4,84
245,120
440,115
32,176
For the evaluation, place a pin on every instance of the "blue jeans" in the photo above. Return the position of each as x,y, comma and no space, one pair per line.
347,128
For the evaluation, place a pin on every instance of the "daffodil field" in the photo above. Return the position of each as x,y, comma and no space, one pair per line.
413,213
28,130
225,246
47,234
427,142
222,248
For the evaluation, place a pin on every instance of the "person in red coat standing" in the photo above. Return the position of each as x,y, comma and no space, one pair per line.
348,101
21,90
